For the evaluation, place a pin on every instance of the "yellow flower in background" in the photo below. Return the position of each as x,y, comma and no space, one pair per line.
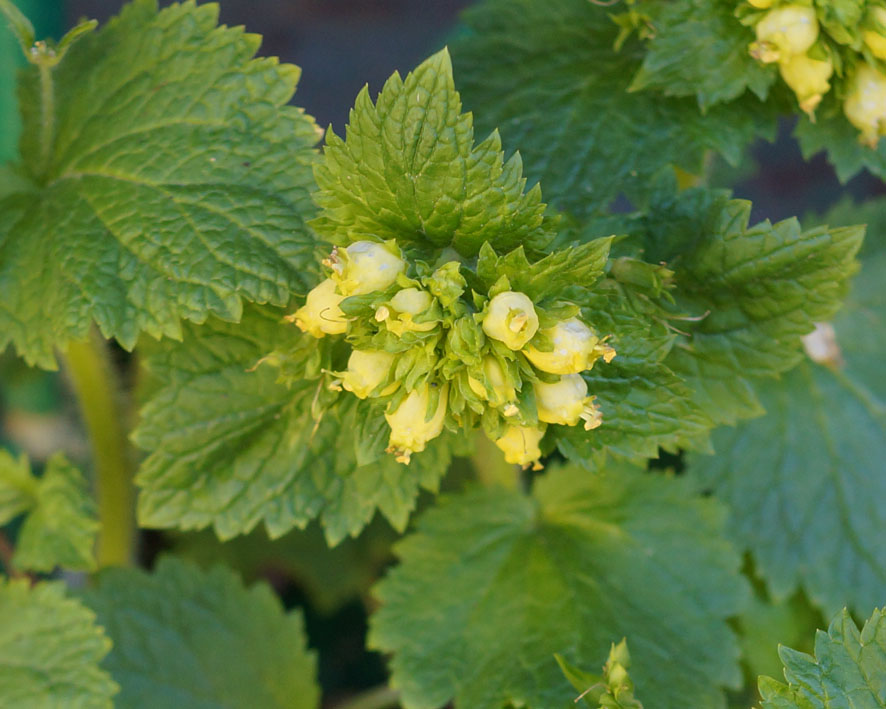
865,104
784,32
808,78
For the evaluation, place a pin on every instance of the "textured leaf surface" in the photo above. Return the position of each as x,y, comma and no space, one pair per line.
231,446
492,584
190,639
17,486
547,76
50,650
408,169
709,33
805,483
61,527
176,184
848,669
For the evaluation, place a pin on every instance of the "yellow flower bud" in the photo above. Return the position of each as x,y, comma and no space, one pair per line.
406,304
511,319
865,104
410,429
520,445
876,42
808,78
576,348
366,266
784,31
566,402
320,315
501,393
366,370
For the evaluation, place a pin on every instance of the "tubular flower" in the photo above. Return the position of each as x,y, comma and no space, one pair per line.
407,304
320,315
511,319
865,105
520,445
366,370
410,429
365,266
808,78
575,349
566,402
785,31
875,41
501,392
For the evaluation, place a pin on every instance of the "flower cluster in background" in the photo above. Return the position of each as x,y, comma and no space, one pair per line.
436,353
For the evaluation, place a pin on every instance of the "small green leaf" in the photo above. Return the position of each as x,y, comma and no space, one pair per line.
61,527
409,170
493,583
19,24
173,184
190,639
848,669
18,488
50,650
611,690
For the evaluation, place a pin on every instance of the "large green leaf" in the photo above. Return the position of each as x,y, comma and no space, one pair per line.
231,446
805,482
50,650
175,184
492,584
848,669
190,639
409,170
547,76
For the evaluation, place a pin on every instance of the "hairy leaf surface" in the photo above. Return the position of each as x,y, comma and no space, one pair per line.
848,669
547,76
493,584
50,649
190,639
174,184
231,446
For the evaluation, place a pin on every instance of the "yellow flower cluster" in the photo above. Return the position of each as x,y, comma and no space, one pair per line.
413,325
807,50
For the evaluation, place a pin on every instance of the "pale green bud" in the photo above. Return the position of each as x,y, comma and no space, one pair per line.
785,31
575,349
865,104
410,429
520,445
406,305
366,370
566,402
500,392
511,319
365,267
321,315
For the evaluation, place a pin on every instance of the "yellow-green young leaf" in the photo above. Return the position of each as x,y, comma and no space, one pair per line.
191,639
611,690
492,584
50,650
61,527
173,183
805,483
231,446
409,170
574,122
848,669
18,488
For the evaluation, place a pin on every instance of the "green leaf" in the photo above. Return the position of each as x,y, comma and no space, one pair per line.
231,446
61,528
492,584
578,129
409,170
50,650
190,639
848,669
176,184
709,33
19,24
18,489
805,482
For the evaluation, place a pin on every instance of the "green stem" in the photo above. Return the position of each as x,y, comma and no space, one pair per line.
377,698
47,114
96,383
491,467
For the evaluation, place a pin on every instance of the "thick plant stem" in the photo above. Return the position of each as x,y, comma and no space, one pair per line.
491,467
96,383
47,114
377,698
